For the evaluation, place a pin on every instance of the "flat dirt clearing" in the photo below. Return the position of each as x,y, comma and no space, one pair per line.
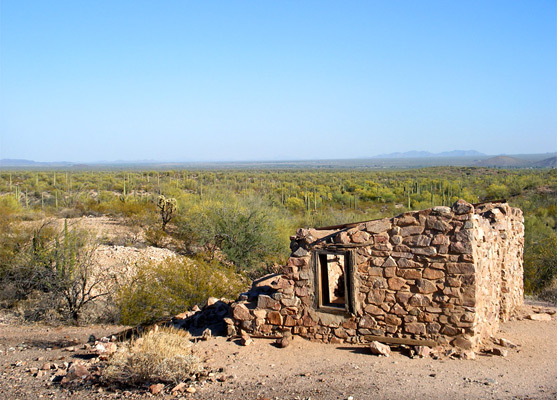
301,371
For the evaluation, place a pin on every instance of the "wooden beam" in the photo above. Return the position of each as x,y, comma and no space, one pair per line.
406,341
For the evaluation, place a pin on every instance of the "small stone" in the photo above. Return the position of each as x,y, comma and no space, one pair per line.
191,389
380,349
468,355
283,342
76,371
539,317
499,352
463,342
422,351
245,340
46,366
179,388
425,286
206,335
156,388
342,238
507,343
241,313
379,226
462,207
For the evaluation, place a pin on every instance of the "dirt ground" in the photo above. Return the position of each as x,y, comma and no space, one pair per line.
303,370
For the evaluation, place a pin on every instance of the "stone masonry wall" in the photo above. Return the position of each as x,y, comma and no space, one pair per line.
446,274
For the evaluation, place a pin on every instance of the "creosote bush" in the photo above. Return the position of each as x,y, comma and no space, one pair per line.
164,289
160,355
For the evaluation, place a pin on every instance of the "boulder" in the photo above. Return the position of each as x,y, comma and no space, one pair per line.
380,349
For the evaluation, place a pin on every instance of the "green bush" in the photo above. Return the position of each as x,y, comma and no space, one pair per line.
164,289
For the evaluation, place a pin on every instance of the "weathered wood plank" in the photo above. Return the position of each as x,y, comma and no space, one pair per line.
407,341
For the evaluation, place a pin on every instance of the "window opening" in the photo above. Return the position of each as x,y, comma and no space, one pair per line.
334,280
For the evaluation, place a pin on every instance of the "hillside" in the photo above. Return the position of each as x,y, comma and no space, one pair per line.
502,162
546,163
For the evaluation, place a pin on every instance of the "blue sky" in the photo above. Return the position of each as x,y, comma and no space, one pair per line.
271,80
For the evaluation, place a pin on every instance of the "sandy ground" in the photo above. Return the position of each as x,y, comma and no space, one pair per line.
303,370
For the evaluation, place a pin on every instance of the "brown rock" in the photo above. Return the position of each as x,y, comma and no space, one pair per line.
425,286
392,320
430,273
267,302
156,388
539,317
297,262
389,272
360,237
417,240
406,263
425,251
462,207
422,351
507,343
376,296
499,352
415,328
241,313
406,220
274,318
411,274
403,297
77,371
461,247
367,322
389,262
206,335
461,268
463,342
433,327
396,239
246,340
411,230
181,387
398,310
419,300
342,238
396,283
373,310
438,224
379,226
380,349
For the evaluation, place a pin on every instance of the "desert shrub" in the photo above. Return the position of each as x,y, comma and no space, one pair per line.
249,232
53,273
540,264
155,236
164,289
160,355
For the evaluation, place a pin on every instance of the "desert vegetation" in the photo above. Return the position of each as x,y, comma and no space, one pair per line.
225,226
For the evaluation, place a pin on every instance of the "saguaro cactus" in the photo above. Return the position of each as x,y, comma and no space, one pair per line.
167,208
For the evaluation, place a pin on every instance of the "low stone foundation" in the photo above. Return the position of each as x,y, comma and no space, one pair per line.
445,275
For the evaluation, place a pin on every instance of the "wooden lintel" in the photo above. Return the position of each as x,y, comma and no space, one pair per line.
407,341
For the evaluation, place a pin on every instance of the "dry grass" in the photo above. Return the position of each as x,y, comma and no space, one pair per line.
160,355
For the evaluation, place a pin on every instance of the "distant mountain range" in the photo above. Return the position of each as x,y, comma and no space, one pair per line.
410,159
15,163
423,154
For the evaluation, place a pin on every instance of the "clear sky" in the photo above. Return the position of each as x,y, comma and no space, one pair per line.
271,80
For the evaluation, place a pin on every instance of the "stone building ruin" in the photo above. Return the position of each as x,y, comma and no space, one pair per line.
445,275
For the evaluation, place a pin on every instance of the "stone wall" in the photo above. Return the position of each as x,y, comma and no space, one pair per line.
443,275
